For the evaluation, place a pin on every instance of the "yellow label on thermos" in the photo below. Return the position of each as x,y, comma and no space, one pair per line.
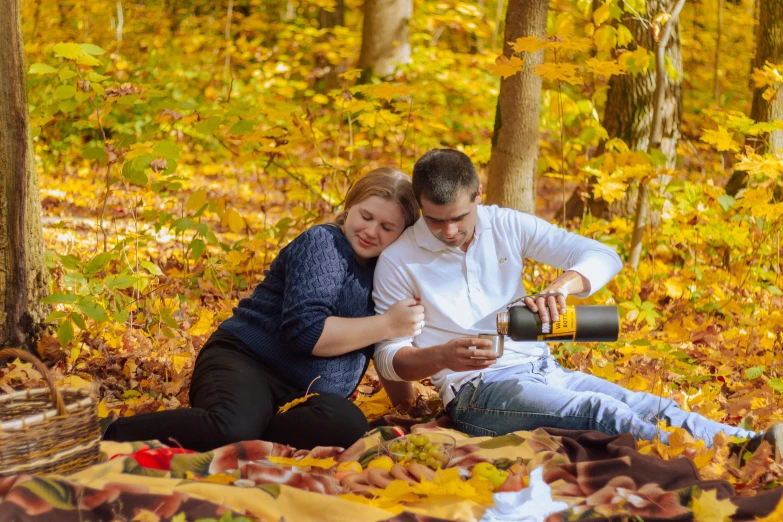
564,327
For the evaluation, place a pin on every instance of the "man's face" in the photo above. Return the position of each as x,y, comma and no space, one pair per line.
452,224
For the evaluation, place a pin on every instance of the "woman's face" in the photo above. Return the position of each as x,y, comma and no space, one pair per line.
373,224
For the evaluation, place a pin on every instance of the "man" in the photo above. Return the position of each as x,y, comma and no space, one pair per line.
464,261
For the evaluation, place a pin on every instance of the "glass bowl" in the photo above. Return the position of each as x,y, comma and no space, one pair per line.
434,450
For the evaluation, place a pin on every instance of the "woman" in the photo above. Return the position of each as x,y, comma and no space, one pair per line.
310,323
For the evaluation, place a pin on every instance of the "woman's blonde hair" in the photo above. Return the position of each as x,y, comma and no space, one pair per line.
388,183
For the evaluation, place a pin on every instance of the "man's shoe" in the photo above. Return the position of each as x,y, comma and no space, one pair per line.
774,436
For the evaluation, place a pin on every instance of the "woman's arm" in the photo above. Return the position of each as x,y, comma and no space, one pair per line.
342,335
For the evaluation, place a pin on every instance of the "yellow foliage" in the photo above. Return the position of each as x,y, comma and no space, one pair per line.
528,44
707,508
204,323
553,72
290,404
304,462
721,138
605,67
506,67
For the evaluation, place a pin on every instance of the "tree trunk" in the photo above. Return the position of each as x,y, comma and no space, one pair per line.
628,112
385,36
656,134
23,274
513,166
769,48
329,19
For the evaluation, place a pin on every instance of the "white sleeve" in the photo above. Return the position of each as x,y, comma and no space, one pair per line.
557,247
390,285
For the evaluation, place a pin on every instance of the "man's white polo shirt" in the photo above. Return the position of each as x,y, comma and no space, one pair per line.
463,291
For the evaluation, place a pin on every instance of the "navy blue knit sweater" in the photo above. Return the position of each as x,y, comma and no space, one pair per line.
314,277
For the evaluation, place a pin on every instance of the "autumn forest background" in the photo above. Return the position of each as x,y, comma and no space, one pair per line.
178,145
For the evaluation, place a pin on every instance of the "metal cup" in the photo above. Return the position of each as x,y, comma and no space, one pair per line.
497,342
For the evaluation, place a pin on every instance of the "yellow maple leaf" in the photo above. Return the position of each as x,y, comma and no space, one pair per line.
528,44
761,79
637,61
220,478
290,404
506,67
304,462
374,406
610,189
204,323
639,383
707,507
721,138
606,371
559,71
74,381
606,68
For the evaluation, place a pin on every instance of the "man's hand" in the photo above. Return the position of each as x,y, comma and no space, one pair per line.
458,356
548,304
551,302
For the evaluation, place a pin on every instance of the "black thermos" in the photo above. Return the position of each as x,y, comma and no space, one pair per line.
584,323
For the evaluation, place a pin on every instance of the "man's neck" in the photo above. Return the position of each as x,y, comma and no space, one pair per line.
467,242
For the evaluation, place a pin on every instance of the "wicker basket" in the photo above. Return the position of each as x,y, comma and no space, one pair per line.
38,438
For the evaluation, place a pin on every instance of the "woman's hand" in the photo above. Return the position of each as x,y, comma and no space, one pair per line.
405,318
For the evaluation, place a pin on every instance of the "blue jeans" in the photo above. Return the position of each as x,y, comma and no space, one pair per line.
542,394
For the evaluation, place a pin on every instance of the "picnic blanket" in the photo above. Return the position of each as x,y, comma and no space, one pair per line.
575,475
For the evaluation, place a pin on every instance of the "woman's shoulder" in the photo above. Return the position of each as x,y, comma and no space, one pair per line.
326,238
329,234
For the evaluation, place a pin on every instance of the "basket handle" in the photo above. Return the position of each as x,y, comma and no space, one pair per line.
26,356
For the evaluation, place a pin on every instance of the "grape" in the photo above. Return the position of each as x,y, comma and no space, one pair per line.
419,448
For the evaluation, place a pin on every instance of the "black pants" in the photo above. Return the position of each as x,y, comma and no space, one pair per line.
235,397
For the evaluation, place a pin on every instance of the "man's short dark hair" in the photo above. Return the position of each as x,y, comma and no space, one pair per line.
440,175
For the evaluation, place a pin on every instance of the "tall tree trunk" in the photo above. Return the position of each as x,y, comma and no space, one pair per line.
385,36
513,166
769,48
656,134
329,19
23,274
628,113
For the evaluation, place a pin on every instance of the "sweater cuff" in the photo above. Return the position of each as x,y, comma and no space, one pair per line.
307,338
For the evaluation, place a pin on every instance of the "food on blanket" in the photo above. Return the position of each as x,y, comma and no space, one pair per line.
350,465
420,471
401,473
488,471
433,450
384,463
357,483
379,477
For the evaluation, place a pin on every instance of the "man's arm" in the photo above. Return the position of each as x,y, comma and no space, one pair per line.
589,264
457,355
399,359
